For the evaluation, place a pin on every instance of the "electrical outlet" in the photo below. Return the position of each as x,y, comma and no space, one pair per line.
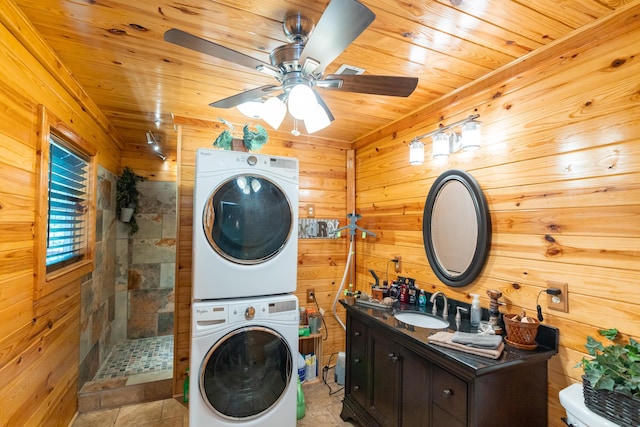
311,210
396,261
311,293
558,302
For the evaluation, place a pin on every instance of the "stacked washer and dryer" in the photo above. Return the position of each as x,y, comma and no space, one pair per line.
244,329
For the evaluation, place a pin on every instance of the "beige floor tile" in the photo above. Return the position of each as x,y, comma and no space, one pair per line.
100,418
135,415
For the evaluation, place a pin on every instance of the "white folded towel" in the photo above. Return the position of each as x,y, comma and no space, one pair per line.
443,339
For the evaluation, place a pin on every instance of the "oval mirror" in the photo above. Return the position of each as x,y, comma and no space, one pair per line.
456,228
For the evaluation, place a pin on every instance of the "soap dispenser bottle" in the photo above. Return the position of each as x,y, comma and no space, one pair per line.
476,311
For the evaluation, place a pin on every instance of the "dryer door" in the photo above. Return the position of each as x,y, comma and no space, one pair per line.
248,219
246,372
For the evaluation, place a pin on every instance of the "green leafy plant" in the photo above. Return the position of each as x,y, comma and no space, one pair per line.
127,195
252,140
615,367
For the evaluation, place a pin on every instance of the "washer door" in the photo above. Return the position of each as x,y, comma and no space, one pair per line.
246,372
248,219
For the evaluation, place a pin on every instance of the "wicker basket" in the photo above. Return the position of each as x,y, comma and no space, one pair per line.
616,407
521,334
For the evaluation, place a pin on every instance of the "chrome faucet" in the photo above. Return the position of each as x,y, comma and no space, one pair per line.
445,310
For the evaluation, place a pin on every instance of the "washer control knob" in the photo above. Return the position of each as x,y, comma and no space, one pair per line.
249,313
252,160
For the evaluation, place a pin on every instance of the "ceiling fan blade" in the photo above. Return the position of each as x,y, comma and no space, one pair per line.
241,98
364,83
207,47
340,24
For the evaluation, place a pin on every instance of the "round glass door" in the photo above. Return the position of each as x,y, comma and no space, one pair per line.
246,373
248,219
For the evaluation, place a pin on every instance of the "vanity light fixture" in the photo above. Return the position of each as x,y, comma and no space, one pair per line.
153,143
445,143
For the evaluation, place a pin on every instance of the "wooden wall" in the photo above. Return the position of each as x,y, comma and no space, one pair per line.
39,338
321,263
560,167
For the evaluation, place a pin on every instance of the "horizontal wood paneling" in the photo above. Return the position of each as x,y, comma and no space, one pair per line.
39,338
560,167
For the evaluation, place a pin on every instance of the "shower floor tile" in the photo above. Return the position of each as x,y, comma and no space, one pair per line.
140,356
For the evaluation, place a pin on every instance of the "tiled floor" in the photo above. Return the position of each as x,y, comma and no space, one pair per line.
136,357
322,410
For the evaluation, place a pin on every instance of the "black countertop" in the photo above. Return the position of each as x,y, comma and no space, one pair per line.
547,338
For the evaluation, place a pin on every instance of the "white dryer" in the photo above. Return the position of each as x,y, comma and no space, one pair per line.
242,362
245,225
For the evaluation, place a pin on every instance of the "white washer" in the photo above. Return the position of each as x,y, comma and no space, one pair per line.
578,415
242,362
245,225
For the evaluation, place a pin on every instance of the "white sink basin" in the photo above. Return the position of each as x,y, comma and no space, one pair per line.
422,320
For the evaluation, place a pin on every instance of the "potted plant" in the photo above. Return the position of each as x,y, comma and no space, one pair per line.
251,140
611,378
127,197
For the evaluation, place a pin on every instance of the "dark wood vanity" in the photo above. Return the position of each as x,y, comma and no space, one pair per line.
395,378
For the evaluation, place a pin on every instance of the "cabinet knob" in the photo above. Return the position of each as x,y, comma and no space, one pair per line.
356,360
393,357
447,392
357,334
356,387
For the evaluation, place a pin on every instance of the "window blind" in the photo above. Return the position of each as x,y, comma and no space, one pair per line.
67,227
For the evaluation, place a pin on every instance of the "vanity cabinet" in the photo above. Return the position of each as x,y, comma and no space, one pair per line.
393,379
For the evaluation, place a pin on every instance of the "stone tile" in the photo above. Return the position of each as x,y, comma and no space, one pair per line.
98,257
122,263
88,402
144,276
111,309
122,230
150,226
135,415
105,188
105,417
149,377
158,390
157,196
89,366
107,384
168,275
169,226
99,224
153,251
149,300
142,326
172,408
123,396
165,323
85,338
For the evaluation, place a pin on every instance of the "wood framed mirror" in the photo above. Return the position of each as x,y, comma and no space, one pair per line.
456,228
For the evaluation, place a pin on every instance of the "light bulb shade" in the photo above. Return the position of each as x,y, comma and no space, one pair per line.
251,109
471,136
440,145
273,112
150,139
302,101
317,121
416,153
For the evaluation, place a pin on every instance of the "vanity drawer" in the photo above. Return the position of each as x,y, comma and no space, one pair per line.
449,393
357,332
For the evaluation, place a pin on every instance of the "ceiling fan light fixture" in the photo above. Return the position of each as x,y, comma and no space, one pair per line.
273,112
302,101
251,109
317,121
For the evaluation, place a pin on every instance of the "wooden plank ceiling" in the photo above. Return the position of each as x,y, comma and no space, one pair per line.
115,48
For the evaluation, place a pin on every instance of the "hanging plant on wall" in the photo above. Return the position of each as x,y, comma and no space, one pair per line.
127,203
252,140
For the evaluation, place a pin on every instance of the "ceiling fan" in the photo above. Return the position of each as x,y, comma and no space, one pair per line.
299,66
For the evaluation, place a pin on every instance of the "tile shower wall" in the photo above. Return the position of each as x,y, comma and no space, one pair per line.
98,319
146,264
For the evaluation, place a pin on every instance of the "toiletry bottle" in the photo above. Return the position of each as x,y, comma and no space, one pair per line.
185,391
422,299
476,311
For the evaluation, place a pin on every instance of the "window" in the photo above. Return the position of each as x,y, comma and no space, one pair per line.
67,207
65,220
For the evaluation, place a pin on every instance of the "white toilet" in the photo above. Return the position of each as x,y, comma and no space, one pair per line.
578,415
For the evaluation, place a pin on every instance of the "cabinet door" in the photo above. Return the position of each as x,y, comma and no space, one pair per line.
415,391
385,365
449,397
356,369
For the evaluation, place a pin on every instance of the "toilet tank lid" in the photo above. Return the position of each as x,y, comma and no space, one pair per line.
572,400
